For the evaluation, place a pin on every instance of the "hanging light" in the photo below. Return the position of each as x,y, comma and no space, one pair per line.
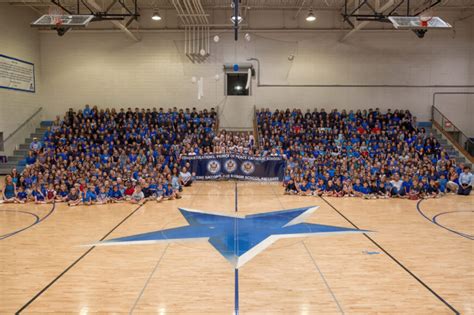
156,16
239,19
310,17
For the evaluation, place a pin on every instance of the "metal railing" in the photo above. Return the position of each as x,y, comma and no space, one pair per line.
217,120
255,127
459,138
22,132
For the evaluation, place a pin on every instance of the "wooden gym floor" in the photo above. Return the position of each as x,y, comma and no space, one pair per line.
418,260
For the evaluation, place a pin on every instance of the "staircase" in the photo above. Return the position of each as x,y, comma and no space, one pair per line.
19,155
447,146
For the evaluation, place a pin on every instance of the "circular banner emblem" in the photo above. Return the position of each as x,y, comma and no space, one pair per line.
230,166
213,166
247,167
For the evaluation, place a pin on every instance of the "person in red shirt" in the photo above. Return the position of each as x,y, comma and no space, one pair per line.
376,129
129,190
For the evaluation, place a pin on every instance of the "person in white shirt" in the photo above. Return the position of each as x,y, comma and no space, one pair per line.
465,181
137,196
185,177
397,189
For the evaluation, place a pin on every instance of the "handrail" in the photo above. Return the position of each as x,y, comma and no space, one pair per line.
455,135
455,127
217,119
454,142
23,124
255,128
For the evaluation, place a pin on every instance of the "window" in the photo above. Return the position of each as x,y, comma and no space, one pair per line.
236,83
237,78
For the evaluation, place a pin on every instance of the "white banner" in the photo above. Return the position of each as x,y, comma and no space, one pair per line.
16,74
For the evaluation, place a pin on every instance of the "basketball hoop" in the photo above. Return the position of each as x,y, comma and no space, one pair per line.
56,14
424,20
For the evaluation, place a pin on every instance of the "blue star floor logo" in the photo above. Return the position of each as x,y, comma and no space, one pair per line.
238,239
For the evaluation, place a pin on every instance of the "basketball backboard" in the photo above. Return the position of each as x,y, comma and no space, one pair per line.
417,22
63,20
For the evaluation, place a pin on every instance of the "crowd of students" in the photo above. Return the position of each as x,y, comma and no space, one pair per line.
363,153
97,156
241,142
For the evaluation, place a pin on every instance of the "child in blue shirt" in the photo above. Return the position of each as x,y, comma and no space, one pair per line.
442,182
61,194
160,193
358,188
115,195
303,188
365,190
102,196
89,196
38,195
168,191
21,195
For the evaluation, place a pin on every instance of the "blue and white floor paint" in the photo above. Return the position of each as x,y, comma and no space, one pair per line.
238,239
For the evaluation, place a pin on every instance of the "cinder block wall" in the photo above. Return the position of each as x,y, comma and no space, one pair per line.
20,41
106,68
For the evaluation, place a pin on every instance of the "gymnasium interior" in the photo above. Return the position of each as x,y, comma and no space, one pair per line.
236,157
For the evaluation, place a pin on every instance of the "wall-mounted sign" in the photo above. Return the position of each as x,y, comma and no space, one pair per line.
16,74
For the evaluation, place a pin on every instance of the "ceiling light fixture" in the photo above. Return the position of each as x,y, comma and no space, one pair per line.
156,16
311,17
239,19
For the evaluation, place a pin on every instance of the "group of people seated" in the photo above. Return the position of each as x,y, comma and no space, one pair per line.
364,153
234,142
95,156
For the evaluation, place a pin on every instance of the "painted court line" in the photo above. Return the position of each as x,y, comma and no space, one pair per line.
74,263
396,260
148,280
324,279
236,271
154,269
5,236
433,220
315,264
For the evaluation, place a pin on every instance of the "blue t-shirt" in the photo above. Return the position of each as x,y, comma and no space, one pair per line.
38,195
115,194
89,196
442,184
30,160
407,185
365,190
22,195
358,188
62,193
304,187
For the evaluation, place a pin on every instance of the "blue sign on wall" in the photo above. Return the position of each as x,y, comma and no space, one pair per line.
16,74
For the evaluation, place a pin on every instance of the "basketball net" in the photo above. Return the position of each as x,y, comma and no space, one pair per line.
56,13
425,18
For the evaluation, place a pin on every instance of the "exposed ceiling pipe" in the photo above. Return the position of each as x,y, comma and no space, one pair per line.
190,12
196,11
299,9
386,6
182,14
201,8
196,28
119,25
187,30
